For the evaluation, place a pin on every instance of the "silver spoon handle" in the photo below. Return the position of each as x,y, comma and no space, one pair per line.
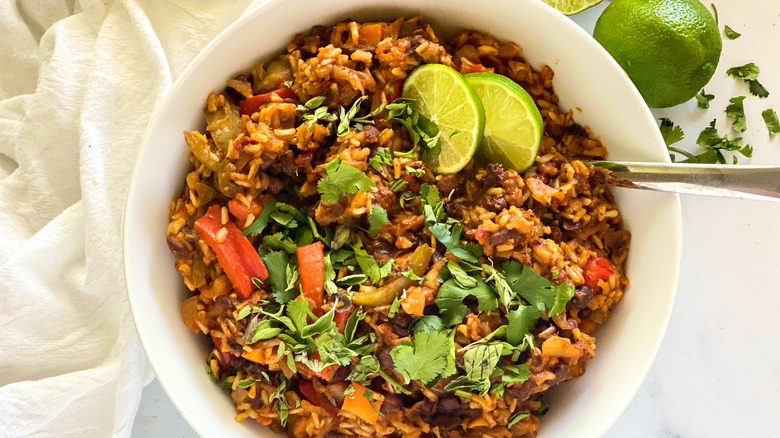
742,182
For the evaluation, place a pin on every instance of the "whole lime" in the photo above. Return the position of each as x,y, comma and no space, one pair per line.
669,48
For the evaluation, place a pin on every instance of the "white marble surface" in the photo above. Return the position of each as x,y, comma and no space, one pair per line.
718,371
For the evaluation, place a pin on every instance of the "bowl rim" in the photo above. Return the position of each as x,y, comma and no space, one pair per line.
676,237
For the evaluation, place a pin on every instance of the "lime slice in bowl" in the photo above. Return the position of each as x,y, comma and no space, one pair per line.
571,7
513,125
445,98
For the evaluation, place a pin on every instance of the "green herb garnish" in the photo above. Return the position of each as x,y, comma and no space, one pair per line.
342,179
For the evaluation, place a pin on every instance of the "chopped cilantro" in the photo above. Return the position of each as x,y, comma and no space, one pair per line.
771,121
278,395
714,144
423,359
671,132
427,324
278,265
277,242
381,157
731,33
351,280
421,131
413,171
448,233
521,321
749,74
702,100
394,307
376,218
342,179
516,373
261,222
450,300
736,112
398,184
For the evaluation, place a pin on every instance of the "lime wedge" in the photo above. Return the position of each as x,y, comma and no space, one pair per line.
445,98
571,7
513,125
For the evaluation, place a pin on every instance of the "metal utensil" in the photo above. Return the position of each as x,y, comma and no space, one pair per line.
742,182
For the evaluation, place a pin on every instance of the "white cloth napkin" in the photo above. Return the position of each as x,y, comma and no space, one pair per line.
79,80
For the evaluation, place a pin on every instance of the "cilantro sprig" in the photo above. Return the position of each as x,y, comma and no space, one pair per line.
772,123
342,179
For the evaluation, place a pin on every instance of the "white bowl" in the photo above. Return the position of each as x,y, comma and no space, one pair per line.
586,79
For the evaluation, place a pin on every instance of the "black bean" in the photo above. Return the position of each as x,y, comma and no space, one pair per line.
427,408
393,403
448,405
449,183
503,236
224,302
178,248
523,391
334,434
584,313
561,370
582,296
495,203
494,174
385,360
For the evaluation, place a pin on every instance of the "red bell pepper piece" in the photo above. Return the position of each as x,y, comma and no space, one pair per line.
252,105
311,267
235,253
595,270
341,316
398,85
317,399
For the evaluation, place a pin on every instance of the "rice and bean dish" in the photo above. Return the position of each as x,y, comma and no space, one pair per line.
348,290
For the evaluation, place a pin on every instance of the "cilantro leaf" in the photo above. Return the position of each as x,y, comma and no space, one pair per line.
427,324
731,33
563,293
771,122
736,111
261,222
527,283
670,132
756,89
277,242
423,359
516,373
277,262
450,300
342,179
382,156
394,307
376,218
749,73
702,100
422,132
521,321
711,140
367,263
